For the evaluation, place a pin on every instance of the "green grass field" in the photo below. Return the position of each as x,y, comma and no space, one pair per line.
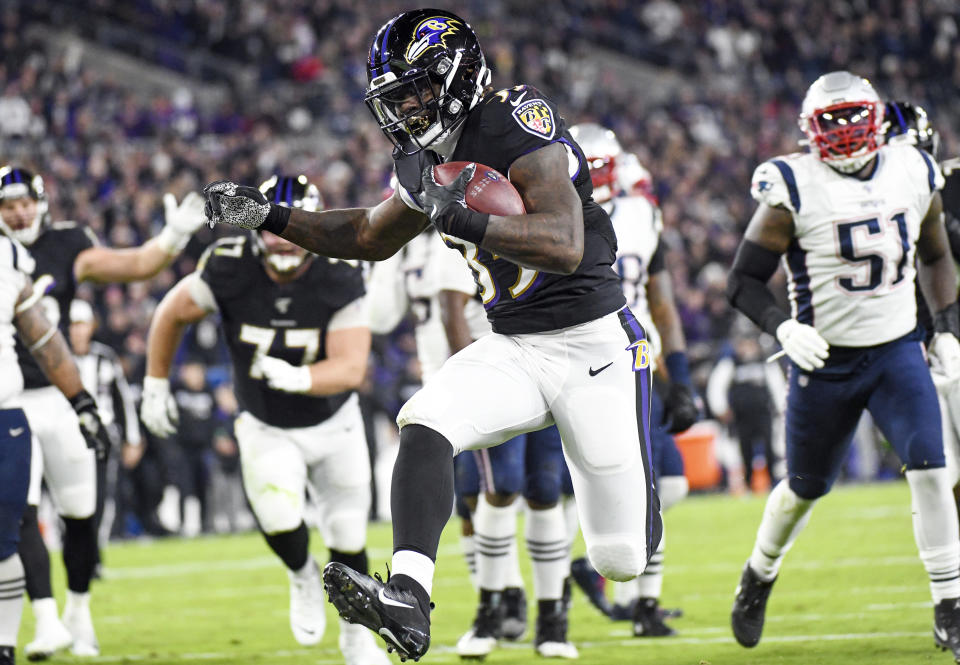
851,591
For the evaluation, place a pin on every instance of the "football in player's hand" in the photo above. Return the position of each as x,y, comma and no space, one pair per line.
488,191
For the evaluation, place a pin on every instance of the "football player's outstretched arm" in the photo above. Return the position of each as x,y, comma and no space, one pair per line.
107,264
550,236
937,272
46,344
176,311
371,234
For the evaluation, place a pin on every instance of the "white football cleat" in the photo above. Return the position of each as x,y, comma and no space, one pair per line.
77,619
51,636
308,619
471,646
358,646
558,650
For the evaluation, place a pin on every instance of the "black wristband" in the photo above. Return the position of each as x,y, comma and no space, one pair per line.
948,319
276,220
82,401
461,222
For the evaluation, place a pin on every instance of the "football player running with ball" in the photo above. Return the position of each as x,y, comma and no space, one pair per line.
297,333
565,348
850,215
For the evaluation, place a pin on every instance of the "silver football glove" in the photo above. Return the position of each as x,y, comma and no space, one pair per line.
237,205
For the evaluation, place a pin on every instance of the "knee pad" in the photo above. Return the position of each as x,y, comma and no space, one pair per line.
617,558
542,488
277,509
809,488
78,502
346,531
672,490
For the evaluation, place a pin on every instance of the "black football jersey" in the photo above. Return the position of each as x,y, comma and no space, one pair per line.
54,252
504,126
288,321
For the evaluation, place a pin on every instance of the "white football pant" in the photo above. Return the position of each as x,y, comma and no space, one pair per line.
278,463
582,378
60,454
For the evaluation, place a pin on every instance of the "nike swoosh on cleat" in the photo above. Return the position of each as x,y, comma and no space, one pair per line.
390,601
594,372
941,634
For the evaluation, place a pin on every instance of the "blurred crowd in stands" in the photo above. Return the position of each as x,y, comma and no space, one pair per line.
292,74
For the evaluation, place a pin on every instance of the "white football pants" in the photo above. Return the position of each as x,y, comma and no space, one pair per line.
60,454
593,381
278,463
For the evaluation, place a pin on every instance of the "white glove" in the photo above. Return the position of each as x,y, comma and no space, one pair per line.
158,410
181,221
803,344
944,354
281,375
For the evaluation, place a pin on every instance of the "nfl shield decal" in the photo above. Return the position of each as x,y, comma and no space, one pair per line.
535,117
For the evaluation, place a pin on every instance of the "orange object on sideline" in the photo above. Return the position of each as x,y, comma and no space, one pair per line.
699,459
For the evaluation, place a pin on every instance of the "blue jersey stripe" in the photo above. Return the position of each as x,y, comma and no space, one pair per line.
13,248
931,174
797,261
788,178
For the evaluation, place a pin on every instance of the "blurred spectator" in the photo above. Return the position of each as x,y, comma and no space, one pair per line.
747,394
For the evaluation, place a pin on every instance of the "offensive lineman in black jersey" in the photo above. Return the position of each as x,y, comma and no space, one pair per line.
65,255
565,348
296,328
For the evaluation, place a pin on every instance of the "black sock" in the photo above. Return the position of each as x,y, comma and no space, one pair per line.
357,560
79,552
293,547
422,490
36,559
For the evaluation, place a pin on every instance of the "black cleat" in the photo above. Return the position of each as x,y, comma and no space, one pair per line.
946,626
591,583
478,642
749,607
648,620
514,623
6,656
551,638
389,610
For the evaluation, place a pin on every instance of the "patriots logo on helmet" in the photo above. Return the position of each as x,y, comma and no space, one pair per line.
430,33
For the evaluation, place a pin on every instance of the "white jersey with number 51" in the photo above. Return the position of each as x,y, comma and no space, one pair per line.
850,266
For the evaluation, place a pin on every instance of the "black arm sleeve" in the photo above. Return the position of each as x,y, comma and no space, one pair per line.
747,289
657,262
